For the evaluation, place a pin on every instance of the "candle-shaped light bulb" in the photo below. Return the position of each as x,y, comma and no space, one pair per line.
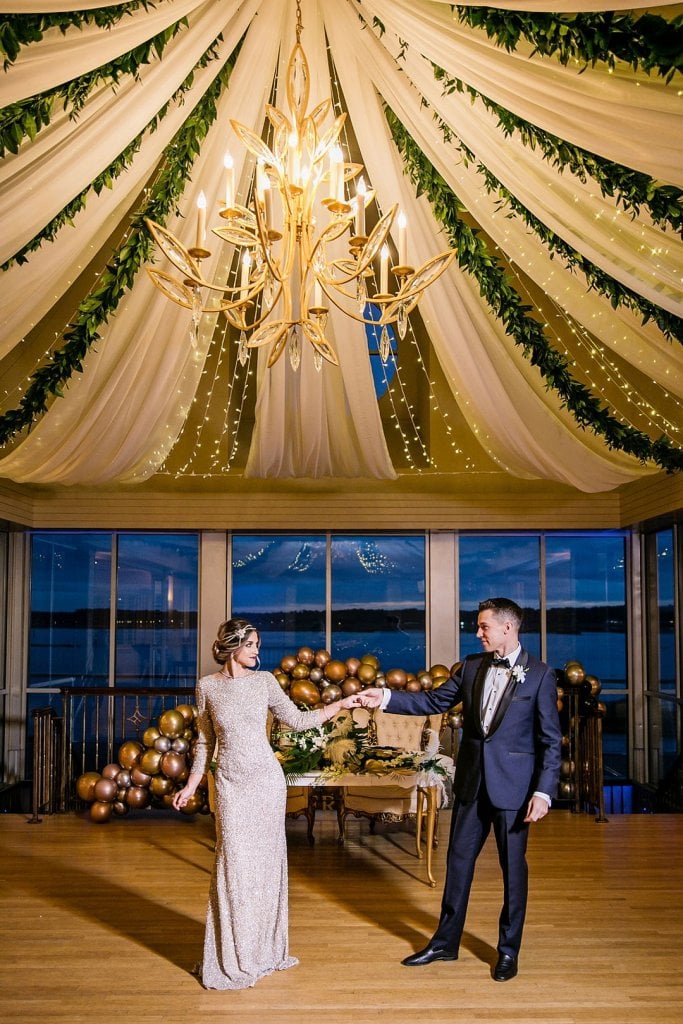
336,157
360,208
317,295
384,270
402,239
244,277
201,221
229,165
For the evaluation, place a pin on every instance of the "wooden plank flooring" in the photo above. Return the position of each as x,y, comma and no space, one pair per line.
102,923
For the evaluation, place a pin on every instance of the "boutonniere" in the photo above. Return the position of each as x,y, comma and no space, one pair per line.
518,674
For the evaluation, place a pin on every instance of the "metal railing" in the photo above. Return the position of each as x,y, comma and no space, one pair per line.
94,722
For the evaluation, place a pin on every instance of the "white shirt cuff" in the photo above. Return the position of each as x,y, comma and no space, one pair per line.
386,697
543,796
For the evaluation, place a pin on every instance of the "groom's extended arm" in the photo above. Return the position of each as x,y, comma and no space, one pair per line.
399,702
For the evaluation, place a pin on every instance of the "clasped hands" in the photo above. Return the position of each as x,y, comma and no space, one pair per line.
370,698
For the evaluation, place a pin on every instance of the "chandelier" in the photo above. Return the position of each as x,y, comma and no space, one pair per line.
287,277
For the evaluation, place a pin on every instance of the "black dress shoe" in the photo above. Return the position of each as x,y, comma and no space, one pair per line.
427,956
506,968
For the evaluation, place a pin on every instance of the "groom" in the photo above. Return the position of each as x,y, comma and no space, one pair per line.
506,773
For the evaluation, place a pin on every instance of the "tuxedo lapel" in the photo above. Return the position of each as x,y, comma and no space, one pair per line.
478,691
508,694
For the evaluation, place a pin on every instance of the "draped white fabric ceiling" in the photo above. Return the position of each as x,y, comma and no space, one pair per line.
120,419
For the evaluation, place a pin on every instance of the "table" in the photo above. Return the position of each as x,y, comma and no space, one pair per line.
428,786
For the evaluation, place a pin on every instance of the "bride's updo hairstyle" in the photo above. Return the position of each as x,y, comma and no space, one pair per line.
231,636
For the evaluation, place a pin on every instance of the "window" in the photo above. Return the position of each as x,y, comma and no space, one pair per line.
663,703
377,586
278,584
378,599
70,601
500,566
156,609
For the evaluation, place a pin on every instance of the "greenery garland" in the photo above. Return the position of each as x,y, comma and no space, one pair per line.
119,275
630,189
25,118
107,177
18,30
474,257
618,294
645,41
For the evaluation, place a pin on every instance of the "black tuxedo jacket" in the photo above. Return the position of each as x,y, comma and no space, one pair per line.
521,753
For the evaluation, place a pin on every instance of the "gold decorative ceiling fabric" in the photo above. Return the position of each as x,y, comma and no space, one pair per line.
147,399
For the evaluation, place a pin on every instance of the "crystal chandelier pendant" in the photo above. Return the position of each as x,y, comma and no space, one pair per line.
196,316
294,349
242,350
384,344
361,295
268,290
402,321
317,360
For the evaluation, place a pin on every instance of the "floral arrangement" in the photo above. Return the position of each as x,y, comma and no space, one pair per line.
340,747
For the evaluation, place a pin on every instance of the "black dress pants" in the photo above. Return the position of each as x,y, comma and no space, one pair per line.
470,826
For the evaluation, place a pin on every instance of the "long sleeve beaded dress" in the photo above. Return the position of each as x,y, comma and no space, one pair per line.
247,919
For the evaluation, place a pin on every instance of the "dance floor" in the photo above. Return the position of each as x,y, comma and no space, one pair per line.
102,924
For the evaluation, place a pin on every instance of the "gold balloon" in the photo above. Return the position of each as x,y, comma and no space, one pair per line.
110,771
150,736
413,686
100,811
321,658
367,673
396,679
304,692
335,671
160,785
162,744
171,723
330,693
149,762
172,764
442,671
306,655
120,807
138,796
130,753
105,790
85,785
288,662
454,719
352,666
574,673
316,674
300,671
194,804
370,659
351,686
188,711
595,685
456,667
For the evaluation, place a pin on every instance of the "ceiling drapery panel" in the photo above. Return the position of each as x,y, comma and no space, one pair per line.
557,329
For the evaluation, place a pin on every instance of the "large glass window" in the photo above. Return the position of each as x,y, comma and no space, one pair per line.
378,599
156,609
278,583
663,708
500,566
70,601
586,605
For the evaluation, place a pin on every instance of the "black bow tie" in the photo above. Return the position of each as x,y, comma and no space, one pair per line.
500,663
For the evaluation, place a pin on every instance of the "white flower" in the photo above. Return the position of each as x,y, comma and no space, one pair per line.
518,674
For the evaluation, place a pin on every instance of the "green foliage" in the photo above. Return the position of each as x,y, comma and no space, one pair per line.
108,176
17,30
25,118
97,307
631,189
645,41
527,332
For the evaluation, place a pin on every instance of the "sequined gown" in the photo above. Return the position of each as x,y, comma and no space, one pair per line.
247,919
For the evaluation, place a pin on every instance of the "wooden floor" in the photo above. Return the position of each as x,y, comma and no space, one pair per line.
102,924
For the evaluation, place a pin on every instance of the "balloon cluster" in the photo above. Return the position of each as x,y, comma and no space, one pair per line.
147,773
315,678
586,688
